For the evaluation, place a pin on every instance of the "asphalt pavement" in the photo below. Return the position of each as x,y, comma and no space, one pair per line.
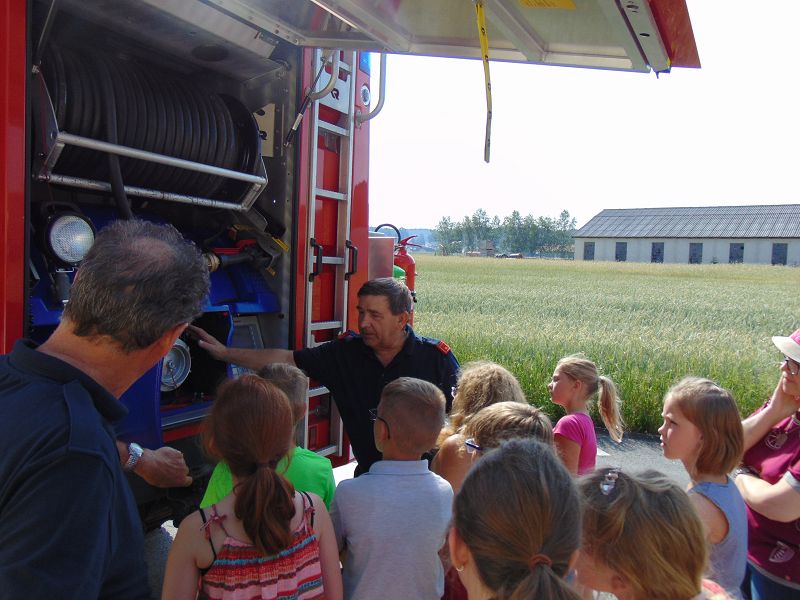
636,452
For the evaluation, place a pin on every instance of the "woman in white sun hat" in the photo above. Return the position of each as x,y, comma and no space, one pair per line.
769,481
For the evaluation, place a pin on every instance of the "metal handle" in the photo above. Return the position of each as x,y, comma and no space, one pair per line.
317,250
353,259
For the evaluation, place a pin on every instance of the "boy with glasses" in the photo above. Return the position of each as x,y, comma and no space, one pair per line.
391,522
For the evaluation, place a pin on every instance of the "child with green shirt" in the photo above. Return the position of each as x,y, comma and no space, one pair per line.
305,469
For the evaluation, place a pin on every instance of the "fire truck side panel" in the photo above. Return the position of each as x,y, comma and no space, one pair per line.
13,156
191,94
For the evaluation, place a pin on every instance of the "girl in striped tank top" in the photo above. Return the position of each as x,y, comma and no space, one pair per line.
264,540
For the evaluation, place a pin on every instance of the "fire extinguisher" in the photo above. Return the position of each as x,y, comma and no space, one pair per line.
406,262
403,259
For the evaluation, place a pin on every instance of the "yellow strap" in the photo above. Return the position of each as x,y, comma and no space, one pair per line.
485,55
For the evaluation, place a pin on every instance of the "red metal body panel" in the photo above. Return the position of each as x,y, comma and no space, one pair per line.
13,151
359,212
672,18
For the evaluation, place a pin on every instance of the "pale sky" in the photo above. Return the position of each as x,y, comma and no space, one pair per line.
585,140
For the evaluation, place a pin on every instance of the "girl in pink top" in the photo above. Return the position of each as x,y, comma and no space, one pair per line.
575,381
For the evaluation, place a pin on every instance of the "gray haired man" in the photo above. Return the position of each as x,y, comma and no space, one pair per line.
68,522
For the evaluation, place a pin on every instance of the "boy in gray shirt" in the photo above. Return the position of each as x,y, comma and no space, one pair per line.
391,522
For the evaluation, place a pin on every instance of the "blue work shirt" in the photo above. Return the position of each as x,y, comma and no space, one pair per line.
356,378
69,527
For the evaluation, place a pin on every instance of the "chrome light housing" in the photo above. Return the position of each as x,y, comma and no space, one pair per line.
69,236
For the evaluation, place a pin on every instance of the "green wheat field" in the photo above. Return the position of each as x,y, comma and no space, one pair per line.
645,325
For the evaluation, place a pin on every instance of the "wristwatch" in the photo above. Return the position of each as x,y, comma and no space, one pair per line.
134,454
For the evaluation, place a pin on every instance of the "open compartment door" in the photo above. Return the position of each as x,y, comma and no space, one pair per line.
626,35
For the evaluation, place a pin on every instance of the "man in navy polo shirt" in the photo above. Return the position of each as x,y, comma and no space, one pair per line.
69,527
355,368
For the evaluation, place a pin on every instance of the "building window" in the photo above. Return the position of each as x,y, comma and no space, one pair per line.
695,253
779,252
621,252
588,250
736,253
657,252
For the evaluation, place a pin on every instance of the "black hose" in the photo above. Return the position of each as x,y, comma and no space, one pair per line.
396,230
115,173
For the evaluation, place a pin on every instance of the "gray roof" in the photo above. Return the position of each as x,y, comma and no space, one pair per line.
761,221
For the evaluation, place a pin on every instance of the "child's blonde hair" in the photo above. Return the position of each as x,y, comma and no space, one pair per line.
519,514
713,411
580,368
506,421
292,382
644,528
480,384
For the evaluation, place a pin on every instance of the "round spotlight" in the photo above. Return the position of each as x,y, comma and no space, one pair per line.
70,236
176,366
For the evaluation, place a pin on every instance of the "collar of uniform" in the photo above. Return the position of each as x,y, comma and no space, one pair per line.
399,467
25,357
411,338
408,344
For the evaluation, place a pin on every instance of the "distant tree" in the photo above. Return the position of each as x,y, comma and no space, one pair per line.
530,229
513,233
448,235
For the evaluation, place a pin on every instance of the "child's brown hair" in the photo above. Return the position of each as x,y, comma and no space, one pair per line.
415,409
713,411
506,421
644,527
519,513
580,368
249,427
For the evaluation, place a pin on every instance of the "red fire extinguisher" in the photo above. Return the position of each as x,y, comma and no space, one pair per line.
403,259
406,262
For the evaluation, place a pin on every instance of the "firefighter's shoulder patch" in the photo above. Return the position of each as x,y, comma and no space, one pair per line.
440,345
347,335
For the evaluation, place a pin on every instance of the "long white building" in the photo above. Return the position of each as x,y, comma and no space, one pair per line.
763,234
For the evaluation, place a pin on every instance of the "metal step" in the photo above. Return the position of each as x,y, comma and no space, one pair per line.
331,128
325,325
341,196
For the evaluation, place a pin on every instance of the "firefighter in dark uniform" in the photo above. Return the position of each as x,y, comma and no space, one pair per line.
356,367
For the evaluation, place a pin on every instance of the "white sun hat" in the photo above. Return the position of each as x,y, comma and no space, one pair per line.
790,346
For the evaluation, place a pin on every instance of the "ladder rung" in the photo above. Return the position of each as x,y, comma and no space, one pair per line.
325,325
330,194
331,128
332,260
318,391
327,450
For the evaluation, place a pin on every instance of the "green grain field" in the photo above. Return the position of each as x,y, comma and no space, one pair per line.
645,325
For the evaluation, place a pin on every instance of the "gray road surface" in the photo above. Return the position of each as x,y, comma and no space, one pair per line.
636,453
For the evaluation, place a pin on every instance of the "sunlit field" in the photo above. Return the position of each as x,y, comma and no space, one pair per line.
645,325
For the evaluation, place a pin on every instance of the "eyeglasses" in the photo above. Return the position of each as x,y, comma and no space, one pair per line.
373,414
472,446
791,364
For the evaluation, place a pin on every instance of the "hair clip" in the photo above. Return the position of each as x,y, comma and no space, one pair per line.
609,481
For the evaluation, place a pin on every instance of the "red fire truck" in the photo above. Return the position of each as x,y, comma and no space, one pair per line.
244,123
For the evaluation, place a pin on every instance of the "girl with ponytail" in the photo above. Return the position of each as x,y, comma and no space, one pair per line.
516,525
264,539
575,381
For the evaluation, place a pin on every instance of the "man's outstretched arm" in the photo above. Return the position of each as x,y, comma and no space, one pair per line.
244,357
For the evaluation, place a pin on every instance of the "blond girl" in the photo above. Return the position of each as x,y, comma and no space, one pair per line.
573,384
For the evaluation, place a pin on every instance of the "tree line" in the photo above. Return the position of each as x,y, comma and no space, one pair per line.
529,235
